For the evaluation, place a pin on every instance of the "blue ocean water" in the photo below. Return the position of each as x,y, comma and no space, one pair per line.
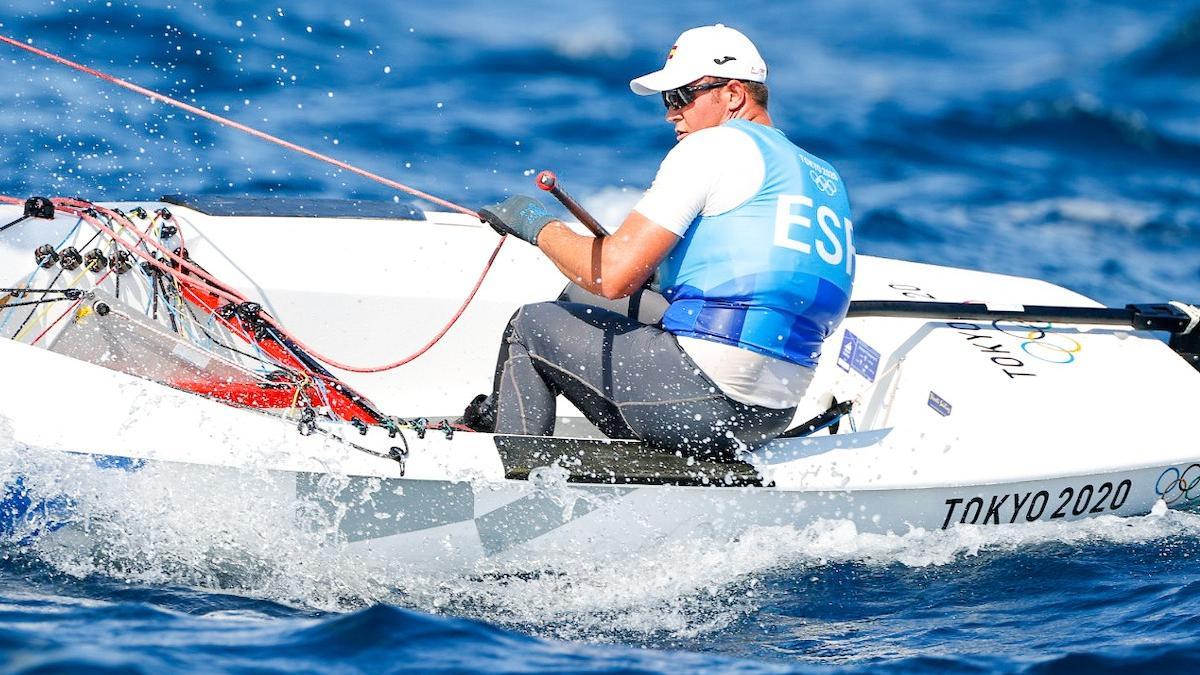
1056,141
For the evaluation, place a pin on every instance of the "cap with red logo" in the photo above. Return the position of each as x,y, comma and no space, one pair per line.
717,50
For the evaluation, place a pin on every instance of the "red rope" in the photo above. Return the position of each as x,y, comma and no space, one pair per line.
213,286
427,346
208,284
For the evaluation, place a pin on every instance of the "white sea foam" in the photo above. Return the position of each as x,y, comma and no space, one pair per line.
601,38
610,205
1128,214
247,616
199,526
683,589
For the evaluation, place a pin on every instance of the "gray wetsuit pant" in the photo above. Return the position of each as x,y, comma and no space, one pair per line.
630,379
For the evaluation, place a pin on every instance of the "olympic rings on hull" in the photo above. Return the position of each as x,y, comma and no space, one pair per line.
1183,484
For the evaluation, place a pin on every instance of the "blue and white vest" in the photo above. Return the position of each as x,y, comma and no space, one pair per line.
774,274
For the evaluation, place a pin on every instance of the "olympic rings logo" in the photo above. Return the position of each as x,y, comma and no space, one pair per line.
824,183
1040,343
1052,351
1174,484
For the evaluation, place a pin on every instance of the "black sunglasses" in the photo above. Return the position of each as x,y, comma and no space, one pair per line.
682,96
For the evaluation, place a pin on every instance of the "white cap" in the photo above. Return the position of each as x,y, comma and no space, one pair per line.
717,50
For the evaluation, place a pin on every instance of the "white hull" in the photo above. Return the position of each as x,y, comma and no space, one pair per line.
442,525
957,424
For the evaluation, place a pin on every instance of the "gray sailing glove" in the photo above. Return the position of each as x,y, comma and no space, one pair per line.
518,215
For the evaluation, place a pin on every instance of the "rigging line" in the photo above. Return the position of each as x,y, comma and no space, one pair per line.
20,332
216,343
24,290
237,125
53,281
176,304
154,295
94,222
207,282
33,274
147,277
28,281
168,303
10,305
66,311
220,290
203,285
152,225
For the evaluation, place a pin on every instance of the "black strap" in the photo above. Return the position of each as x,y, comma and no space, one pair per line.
71,293
23,303
830,418
18,220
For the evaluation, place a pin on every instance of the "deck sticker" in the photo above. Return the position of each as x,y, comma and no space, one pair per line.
939,404
847,352
857,356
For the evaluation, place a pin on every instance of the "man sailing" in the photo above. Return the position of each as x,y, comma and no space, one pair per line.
752,240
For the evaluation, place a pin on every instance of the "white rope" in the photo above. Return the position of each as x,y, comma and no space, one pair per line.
1191,311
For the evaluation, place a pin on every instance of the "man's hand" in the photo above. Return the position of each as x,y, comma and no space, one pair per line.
518,215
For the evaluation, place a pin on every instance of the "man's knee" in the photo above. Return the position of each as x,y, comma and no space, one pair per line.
530,321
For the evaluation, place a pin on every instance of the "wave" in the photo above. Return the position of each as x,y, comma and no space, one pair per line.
1117,250
43,630
1177,53
611,72
1076,126
890,225
1139,659
425,643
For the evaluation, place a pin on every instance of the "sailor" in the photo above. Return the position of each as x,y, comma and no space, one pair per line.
752,242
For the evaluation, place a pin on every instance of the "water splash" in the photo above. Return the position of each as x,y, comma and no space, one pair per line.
244,532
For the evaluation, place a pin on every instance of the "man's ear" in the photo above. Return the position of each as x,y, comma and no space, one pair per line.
737,96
